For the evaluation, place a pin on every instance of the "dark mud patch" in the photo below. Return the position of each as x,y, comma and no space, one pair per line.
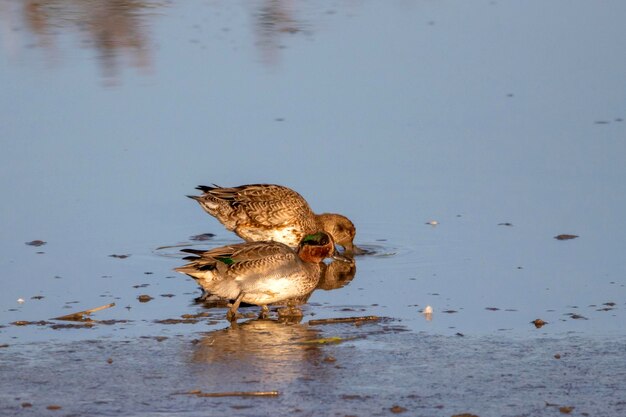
144,298
205,316
565,237
177,321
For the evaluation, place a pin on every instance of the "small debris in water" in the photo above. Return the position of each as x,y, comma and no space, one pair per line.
397,409
565,237
557,356
330,359
176,321
506,224
168,295
343,320
566,410
20,301
4,345
86,325
36,297
53,407
30,323
326,340
141,285
433,222
492,308
199,393
465,415
119,256
428,313
36,243
144,298
110,322
354,397
26,405
109,361
202,237
195,316
539,323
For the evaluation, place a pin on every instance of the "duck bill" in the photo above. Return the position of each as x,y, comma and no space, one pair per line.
340,257
353,250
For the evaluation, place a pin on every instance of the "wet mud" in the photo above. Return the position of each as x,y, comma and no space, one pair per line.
262,367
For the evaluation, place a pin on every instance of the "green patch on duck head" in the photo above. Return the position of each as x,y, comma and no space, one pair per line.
318,238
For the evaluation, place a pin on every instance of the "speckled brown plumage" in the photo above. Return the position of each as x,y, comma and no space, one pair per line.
269,212
260,272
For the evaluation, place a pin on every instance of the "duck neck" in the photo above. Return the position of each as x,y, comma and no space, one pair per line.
312,255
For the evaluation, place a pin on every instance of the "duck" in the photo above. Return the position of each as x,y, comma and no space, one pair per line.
260,273
270,212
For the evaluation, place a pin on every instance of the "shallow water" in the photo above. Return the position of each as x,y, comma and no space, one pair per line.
502,122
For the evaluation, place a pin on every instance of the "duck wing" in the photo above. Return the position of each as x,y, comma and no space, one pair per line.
263,204
239,258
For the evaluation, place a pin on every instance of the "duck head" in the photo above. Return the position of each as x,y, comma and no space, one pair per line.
342,231
316,247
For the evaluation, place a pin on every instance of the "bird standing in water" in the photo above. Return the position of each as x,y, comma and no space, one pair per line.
260,273
268,212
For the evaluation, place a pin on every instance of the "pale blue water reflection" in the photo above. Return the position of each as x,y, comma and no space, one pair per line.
394,114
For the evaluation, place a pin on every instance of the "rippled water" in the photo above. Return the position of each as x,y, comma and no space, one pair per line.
501,122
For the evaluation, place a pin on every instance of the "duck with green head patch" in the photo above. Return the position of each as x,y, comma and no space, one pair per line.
264,212
260,273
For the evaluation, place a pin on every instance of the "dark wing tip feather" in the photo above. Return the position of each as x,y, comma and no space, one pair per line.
194,251
204,188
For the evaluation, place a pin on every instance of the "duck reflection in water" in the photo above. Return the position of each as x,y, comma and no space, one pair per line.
261,273
260,348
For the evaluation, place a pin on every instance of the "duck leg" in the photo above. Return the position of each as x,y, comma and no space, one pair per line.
291,312
231,315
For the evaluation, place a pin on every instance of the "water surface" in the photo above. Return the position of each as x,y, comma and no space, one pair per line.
501,121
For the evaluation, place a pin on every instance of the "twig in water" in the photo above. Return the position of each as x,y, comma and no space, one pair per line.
199,393
343,320
80,316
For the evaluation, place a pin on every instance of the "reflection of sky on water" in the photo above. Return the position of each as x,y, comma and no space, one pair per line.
391,113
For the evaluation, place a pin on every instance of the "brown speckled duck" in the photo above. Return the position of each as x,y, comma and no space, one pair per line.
268,212
260,273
